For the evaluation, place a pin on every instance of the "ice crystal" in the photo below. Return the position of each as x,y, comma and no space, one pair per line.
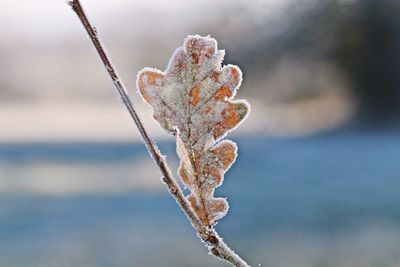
192,99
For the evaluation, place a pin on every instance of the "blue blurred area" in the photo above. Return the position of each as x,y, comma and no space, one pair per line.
325,200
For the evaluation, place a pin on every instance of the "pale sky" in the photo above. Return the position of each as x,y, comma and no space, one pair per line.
53,19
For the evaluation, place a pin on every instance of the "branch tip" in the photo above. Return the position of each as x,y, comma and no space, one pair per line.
70,2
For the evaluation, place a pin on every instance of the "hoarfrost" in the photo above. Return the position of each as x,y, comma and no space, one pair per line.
192,99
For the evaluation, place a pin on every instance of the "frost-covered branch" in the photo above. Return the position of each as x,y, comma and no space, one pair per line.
215,244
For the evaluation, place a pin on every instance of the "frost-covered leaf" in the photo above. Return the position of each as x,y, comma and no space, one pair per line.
193,100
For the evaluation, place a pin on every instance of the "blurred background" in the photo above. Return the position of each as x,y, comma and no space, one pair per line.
317,179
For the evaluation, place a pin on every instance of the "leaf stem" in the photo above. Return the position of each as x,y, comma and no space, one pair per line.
215,244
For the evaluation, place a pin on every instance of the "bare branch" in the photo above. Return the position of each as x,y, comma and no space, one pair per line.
215,244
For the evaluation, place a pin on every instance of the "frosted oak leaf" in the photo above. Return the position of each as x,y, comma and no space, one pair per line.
192,99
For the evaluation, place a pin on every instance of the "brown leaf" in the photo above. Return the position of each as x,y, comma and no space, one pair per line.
193,98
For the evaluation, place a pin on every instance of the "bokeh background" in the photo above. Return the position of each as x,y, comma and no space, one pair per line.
316,183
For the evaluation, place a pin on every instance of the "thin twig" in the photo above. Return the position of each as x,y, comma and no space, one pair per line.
214,243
